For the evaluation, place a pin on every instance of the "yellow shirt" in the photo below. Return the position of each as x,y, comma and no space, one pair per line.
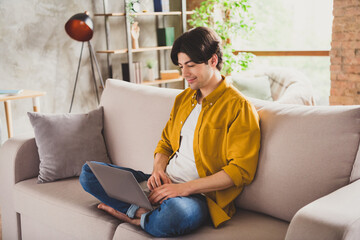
227,137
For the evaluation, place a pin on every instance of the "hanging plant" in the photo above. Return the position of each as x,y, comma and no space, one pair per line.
228,18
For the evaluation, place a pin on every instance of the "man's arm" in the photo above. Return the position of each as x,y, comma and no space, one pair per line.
218,181
158,176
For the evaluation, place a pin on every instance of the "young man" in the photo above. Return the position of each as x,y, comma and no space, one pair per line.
208,149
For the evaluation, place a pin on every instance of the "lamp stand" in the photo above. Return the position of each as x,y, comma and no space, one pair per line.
92,58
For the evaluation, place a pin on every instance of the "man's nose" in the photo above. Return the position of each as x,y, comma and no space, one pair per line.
184,72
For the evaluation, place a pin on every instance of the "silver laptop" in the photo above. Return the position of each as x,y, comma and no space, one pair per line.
121,185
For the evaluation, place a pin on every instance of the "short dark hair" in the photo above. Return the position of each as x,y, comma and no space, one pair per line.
200,44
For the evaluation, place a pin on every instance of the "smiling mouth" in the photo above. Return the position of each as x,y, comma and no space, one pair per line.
190,80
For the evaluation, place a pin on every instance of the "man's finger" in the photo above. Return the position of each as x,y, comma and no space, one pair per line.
149,185
165,198
157,181
165,178
152,183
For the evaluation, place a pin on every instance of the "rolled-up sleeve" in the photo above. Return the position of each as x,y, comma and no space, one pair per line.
243,144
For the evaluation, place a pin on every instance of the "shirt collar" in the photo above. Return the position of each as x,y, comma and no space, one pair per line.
214,95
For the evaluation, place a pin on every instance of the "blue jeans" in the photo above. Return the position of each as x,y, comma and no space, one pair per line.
174,217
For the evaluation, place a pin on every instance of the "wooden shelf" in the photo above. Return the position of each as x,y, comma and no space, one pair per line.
142,14
144,49
286,53
109,14
160,81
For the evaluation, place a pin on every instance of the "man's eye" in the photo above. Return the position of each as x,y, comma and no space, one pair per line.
180,67
191,65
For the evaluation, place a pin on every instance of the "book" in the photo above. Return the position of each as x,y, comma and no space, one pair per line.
165,36
137,72
161,6
10,92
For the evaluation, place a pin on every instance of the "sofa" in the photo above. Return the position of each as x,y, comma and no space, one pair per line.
306,186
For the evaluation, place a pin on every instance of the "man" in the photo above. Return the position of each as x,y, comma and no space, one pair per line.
208,149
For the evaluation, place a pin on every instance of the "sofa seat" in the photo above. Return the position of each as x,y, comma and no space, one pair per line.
245,225
64,206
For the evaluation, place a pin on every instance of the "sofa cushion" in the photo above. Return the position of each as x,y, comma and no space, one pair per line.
65,207
289,85
66,141
253,86
134,122
245,225
306,153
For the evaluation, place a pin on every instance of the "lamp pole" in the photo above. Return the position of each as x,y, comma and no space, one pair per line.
80,28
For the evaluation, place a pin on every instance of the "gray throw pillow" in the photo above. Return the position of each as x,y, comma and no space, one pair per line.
66,141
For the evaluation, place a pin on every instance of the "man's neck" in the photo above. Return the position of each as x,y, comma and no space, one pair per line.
214,83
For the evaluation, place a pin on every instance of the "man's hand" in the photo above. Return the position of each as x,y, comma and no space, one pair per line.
157,179
158,176
218,181
161,193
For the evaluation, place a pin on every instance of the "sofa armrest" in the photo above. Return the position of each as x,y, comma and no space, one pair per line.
19,160
334,216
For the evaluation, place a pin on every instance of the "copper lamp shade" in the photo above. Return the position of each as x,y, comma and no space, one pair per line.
80,27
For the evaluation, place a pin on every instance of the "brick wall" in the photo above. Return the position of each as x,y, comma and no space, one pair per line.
191,4
345,53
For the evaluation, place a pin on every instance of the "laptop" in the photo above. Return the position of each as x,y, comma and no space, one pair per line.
121,185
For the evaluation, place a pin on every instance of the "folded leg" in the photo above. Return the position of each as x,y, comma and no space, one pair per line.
176,216
91,185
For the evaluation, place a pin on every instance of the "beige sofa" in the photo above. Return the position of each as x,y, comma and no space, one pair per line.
306,185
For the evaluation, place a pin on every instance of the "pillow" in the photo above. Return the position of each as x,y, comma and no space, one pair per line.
256,87
66,141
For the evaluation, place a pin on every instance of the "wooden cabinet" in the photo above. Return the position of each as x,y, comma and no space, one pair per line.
130,51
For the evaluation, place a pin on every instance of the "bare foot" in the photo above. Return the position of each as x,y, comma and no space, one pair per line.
140,212
119,215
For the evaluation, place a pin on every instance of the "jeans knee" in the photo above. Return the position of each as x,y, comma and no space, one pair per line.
181,211
86,176
176,216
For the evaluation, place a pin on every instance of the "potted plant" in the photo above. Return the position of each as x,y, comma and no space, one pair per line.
150,66
227,18
132,6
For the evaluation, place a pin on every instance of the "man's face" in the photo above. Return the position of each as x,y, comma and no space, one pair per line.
198,75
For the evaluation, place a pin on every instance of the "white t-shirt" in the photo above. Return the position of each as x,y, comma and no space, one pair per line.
182,167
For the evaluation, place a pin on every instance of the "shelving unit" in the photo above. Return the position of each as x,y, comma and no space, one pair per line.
129,50
144,49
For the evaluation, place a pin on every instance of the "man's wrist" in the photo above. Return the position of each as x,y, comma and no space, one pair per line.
190,187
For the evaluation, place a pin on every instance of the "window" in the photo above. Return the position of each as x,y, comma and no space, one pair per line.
289,25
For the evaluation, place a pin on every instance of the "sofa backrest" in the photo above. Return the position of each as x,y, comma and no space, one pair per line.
134,116
306,153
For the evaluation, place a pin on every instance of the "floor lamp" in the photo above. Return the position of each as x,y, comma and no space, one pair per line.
80,28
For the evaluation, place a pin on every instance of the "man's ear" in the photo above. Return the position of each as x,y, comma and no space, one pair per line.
213,61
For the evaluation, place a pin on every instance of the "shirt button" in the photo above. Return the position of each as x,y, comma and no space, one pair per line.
210,104
192,104
181,122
